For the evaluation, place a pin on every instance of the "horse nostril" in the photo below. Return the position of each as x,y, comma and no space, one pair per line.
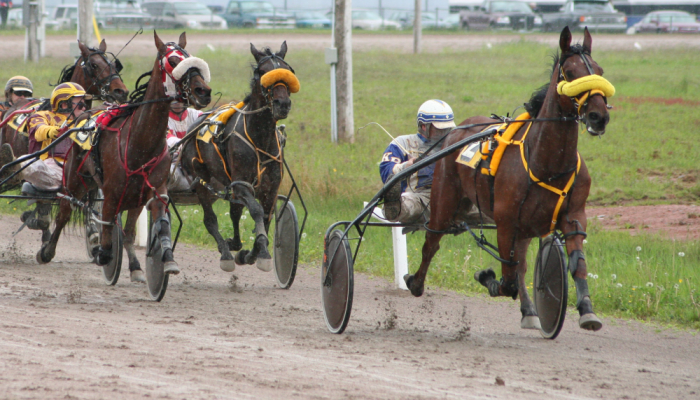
594,116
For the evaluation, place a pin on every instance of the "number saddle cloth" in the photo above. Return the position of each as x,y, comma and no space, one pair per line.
19,122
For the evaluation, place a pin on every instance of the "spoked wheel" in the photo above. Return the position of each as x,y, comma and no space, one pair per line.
551,286
156,278
93,231
286,246
337,281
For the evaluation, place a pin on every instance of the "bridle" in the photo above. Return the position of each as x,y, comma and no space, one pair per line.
267,91
591,85
182,85
103,83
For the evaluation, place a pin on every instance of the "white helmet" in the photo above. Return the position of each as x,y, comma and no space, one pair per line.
436,112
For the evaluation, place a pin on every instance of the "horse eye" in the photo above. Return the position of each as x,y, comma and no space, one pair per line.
569,75
172,63
94,65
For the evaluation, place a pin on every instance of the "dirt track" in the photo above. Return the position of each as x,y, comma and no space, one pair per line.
64,334
57,45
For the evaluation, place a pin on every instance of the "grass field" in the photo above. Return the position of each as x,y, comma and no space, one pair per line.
648,156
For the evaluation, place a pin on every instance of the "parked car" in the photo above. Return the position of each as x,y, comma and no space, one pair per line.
452,21
406,18
14,18
597,15
369,20
256,14
501,14
311,19
63,17
126,20
182,13
667,21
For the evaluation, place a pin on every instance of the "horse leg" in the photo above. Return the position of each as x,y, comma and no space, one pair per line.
508,285
161,228
226,262
109,211
259,250
530,320
576,228
235,211
135,272
416,282
48,248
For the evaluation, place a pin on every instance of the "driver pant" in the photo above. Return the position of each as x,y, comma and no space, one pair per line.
414,205
178,182
43,174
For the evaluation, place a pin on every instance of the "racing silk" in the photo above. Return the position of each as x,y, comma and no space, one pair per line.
178,124
44,127
394,161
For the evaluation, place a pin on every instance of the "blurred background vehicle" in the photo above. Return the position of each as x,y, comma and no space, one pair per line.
511,14
168,14
597,15
667,21
452,21
311,19
406,19
369,20
14,18
256,14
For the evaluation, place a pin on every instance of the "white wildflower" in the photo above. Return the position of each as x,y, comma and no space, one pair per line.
619,285
639,248
196,211
614,276
681,254
303,235
676,286
585,241
251,238
649,284
243,217
595,276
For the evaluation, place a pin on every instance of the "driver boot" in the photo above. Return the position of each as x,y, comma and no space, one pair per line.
7,156
392,202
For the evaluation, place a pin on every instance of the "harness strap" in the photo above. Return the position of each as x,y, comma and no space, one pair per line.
562,193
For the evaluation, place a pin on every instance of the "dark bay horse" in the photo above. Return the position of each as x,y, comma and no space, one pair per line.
521,206
94,72
246,158
130,162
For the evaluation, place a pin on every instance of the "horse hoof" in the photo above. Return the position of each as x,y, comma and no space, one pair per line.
40,257
227,265
590,322
137,276
530,322
234,245
484,276
415,291
265,265
171,267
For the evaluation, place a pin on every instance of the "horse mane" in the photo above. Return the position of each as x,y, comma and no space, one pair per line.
534,105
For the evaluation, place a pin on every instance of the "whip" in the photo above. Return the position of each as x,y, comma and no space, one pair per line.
387,132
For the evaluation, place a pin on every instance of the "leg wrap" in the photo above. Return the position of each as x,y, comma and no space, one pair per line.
581,290
574,256
161,230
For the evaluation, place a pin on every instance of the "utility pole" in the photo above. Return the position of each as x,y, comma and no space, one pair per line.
417,29
342,35
34,32
85,16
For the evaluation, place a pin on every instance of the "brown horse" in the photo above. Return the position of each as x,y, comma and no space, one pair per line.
246,158
94,72
130,162
517,201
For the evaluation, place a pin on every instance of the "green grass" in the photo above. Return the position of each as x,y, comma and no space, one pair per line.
648,156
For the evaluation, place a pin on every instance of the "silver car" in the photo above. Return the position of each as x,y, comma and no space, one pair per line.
183,14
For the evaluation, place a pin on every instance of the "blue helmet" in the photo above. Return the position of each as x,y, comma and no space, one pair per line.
436,112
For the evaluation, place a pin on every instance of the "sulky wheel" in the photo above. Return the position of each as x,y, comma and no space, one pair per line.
551,286
337,281
111,271
156,278
286,245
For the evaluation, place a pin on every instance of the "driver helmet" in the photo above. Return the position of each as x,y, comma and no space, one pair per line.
436,112
18,83
64,92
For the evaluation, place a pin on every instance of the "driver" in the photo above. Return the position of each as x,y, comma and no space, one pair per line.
16,88
409,201
44,127
179,120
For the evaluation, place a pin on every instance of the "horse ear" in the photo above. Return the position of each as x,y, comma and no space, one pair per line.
159,43
182,42
565,40
103,46
283,50
587,41
84,51
258,55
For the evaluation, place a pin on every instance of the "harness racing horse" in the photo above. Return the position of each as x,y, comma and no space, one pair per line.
130,161
94,72
541,186
246,158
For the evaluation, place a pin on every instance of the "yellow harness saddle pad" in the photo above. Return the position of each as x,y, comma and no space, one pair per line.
19,122
216,120
472,153
84,138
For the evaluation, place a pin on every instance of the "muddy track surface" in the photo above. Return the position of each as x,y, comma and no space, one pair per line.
65,334
58,45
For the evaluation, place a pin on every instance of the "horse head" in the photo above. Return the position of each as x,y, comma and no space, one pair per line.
581,80
184,76
275,79
102,76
